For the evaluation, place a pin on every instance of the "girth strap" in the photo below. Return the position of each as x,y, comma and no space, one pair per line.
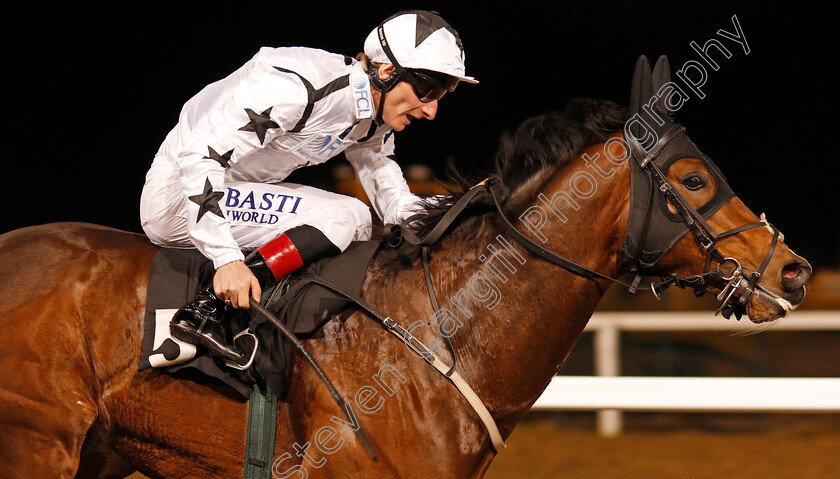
262,420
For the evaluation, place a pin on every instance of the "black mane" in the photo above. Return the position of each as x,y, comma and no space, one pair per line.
549,140
545,141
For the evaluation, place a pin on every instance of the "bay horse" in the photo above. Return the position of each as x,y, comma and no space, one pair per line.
72,402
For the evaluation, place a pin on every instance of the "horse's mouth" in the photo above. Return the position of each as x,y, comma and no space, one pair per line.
766,305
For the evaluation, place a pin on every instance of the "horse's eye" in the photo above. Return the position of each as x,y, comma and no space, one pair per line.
693,183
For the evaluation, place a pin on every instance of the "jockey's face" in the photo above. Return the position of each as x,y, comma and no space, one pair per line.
401,103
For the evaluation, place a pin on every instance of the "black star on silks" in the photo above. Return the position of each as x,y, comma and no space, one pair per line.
223,159
260,123
208,201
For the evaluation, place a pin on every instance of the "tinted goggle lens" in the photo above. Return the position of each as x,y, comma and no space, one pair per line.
430,86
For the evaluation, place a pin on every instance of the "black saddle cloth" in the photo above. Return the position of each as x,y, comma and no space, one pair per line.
177,275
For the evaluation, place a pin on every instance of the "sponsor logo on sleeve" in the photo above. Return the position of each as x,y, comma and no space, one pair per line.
361,98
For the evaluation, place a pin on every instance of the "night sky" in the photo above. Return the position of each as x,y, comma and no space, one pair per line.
91,93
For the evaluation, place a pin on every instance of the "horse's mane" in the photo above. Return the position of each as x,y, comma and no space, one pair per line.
546,141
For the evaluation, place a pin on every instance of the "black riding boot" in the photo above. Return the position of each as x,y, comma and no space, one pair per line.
202,322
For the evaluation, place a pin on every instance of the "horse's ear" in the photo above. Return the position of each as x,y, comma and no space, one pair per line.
641,89
661,76
661,73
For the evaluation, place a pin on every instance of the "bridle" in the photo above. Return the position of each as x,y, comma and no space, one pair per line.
705,234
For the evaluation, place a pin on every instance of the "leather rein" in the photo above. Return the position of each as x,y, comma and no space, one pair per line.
705,234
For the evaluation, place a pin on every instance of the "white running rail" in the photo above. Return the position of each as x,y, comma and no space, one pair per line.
610,394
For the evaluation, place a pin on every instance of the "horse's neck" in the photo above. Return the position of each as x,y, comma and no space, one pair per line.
515,337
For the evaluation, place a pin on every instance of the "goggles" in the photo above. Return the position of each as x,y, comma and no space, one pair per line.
428,85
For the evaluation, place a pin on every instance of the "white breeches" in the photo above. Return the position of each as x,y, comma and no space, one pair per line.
257,213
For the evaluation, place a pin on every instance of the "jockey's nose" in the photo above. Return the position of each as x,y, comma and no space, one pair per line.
429,109
794,275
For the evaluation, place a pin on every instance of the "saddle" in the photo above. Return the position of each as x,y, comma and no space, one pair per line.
303,306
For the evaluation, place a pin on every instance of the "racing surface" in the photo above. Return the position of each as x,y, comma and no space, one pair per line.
736,446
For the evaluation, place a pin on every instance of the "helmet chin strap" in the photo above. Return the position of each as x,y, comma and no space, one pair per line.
379,120
384,86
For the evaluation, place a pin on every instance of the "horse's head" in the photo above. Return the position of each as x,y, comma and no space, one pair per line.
685,219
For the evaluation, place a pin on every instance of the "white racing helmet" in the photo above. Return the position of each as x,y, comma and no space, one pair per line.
425,51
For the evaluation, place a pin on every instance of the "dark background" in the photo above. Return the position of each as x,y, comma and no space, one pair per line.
90,93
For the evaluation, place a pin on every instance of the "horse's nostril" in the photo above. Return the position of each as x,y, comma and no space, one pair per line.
791,271
794,275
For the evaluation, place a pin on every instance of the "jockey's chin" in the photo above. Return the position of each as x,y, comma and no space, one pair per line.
402,107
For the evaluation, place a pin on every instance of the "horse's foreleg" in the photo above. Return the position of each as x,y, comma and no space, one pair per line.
41,438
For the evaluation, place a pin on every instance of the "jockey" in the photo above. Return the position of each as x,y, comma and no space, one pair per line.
216,182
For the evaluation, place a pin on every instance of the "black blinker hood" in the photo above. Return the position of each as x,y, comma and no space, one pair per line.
652,230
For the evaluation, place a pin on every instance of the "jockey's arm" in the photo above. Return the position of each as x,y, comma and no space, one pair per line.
382,179
223,127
